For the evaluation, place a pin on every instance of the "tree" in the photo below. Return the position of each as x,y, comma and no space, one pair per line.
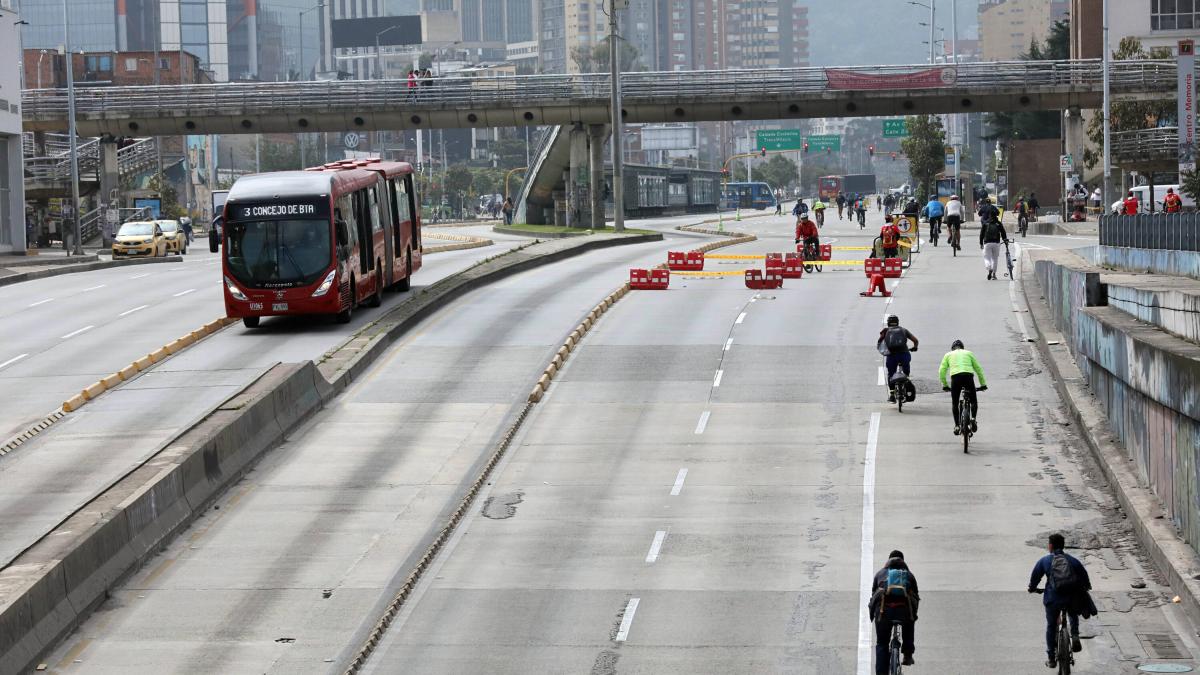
1129,115
458,180
596,60
1040,124
1190,184
169,195
926,150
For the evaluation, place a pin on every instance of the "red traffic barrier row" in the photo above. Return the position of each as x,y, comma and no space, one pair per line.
759,280
649,280
788,265
888,268
691,261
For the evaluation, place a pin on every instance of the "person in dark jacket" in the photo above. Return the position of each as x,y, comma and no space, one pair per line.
884,610
1077,601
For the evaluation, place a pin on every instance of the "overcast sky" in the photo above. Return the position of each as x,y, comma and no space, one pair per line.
870,32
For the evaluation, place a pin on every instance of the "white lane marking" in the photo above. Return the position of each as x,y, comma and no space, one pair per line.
627,620
703,423
140,276
12,360
866,574
42,302
1012,294
679,478
93,288
131,311
741,317
728,344
717,379
183,293
656,546
754,299
882,376
77,332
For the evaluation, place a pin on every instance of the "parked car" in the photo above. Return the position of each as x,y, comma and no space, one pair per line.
139,238
175,236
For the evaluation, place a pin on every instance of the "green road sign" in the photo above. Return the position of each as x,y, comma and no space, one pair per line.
895,128
830,142
777,139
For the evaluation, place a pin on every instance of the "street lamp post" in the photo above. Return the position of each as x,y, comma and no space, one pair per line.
303,72
1108,197
78,248
378,54
618,186
932,7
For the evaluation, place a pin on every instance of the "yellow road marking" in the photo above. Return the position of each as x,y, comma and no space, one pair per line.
728,256
734,273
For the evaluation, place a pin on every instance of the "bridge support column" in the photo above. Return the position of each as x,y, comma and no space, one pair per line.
596,135
577,179
110,186
1076,139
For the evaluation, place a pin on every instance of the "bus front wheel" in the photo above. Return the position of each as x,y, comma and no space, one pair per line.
250,321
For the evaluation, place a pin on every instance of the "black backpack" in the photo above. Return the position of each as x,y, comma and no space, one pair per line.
991,232
896,339
1062,575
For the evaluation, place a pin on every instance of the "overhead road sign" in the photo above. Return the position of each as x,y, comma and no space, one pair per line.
895,128
778,140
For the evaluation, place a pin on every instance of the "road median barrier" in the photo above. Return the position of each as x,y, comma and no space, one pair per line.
54,584
462,242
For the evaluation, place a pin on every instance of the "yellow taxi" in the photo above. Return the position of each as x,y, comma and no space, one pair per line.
175,236
139,238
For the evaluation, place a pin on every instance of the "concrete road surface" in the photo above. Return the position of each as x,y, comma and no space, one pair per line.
704,490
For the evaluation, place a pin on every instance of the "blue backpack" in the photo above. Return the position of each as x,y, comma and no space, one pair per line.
895,591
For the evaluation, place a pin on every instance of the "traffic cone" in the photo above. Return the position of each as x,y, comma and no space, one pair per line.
738,216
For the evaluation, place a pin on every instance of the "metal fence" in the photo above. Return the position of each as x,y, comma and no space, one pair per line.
450,93
1174,231
1162,142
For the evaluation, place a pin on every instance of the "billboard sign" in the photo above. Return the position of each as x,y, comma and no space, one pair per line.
678,137
387,31
1187,105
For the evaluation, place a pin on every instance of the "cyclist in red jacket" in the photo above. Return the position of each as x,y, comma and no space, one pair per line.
807,232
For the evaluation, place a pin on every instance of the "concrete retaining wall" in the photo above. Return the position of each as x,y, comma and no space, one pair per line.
1154,261
1144,379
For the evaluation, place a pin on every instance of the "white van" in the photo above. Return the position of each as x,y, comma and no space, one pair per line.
1142,193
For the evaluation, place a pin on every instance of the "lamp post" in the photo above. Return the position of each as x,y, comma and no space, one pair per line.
618,184
303,74
78,248
1108,197
932,7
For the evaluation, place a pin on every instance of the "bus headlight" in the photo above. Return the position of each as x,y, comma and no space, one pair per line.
325,285
234,290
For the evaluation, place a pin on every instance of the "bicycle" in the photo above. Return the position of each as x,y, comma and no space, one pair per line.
1008,258
1062,640
955,238
820,217
812,258
1023,224
935,231
966,417
895,658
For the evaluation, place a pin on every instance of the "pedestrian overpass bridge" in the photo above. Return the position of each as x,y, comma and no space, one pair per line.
540,100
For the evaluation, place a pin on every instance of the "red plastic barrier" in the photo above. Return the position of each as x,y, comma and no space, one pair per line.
649,280
676,260
876,284
695,261
893,268
759,280
774,260
826,252
692,261
793,266
872,266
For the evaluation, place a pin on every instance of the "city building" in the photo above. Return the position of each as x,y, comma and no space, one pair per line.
199,27
45,69
12,188
1155,23
273,40
1008,27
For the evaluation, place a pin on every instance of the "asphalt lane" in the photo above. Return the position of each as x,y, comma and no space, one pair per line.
281,576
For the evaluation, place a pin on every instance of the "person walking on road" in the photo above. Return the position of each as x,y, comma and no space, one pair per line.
507,209
991,236
894,599
1067,586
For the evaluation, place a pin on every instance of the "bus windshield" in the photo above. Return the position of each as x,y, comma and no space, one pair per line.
278,253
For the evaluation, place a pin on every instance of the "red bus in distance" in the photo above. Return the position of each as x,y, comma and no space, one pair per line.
828,187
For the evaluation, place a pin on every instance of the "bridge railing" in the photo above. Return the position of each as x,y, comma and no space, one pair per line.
283,98
1169,231
1146,143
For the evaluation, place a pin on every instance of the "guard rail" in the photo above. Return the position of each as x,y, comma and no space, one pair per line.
1158,143
1168,231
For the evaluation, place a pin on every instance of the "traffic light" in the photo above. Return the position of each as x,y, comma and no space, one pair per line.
806,146
871,150
764,152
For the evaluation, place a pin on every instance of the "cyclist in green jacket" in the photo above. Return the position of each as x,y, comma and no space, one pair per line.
961,367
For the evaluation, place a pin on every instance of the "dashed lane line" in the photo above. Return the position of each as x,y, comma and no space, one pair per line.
741,318
656,546
728,344
627,620
41,302
717,379
183,293
94,288
12,361
703,423
678,486
76,332
131,311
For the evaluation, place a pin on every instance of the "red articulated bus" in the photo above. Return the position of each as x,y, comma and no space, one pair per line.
321,241
828,187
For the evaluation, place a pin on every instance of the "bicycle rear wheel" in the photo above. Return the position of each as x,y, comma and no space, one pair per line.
964,422
895,657
1064,647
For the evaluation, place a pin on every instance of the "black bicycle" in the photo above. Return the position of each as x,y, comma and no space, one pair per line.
1023,224
1009,259
935,231
966,417
894,664
812,257
1062,640
955,238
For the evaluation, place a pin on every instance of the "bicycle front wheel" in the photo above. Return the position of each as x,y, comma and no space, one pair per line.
1064,649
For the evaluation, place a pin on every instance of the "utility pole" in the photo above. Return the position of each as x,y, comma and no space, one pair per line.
618,132
957,119
932,23
78,247
158,139
1108,197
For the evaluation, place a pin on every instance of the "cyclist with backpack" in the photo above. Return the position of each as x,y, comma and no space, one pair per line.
1067,586
889,238
894,339
894,597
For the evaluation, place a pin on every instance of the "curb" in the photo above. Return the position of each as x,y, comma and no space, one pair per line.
517,232
1173,557
464,242
84,267
56,583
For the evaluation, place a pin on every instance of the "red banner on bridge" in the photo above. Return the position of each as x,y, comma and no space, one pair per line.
921,79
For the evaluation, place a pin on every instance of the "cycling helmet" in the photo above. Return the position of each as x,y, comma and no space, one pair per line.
893,320
958,344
